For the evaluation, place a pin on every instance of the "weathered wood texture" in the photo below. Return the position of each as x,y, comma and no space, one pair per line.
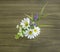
12,11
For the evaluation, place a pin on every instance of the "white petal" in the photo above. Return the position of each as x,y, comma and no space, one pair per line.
17,26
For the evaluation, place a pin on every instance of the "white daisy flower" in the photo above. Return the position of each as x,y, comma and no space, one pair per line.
36,31
29,34
25,23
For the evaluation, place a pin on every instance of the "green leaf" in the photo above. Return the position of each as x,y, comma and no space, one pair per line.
32,26
32,16
42,10
29,16
23,32
45,25
17,36
45,15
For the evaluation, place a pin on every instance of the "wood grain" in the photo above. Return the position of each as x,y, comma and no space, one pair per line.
12,11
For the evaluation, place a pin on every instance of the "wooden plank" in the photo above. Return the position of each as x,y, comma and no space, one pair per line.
12,11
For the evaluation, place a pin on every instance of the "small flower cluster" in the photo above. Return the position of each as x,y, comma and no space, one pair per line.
28,29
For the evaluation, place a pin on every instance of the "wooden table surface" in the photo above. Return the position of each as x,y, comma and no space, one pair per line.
12,11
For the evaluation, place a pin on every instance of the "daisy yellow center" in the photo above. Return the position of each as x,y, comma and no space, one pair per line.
26,23
35,30
30,32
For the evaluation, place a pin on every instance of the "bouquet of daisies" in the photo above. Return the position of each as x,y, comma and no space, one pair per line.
28,27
